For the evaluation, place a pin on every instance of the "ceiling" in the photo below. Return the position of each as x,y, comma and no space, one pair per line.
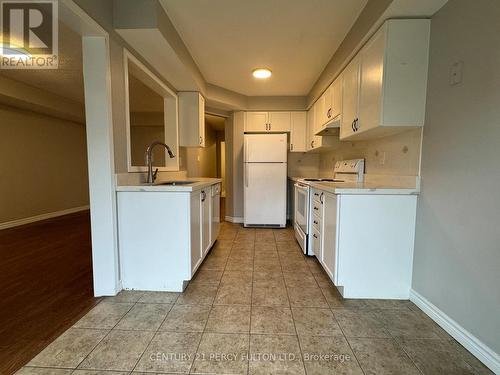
294,38
67,80
215,122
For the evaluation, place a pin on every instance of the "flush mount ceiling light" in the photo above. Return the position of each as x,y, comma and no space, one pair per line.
261,73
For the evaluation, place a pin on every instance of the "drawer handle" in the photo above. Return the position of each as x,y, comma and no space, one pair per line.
316,208
316,194
315,236
315,222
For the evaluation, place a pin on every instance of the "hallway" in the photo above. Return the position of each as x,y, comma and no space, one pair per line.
256,306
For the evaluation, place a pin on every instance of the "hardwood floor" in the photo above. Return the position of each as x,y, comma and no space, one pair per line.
45,285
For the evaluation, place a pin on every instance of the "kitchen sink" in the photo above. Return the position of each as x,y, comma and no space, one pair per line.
176,183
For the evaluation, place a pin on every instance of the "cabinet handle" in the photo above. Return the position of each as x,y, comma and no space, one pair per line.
203,195
356,124
312,144
316,208
201,140
315,236
352,125
291,146
315,222
270,126
321,198
329,113
316,194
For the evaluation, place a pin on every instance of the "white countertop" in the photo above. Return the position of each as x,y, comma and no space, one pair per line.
392,187
198,184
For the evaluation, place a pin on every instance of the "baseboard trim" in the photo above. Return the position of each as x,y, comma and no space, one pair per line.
480,350
234,219
49,215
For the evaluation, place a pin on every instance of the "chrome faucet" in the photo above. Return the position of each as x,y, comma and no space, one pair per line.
149,160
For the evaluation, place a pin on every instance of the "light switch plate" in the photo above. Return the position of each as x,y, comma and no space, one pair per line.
456,73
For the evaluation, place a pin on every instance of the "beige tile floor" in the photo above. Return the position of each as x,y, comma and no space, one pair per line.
256,306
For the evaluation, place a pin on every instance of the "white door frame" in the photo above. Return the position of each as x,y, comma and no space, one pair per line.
100,152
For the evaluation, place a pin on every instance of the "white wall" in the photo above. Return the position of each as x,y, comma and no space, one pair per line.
457,247
43,165
202,161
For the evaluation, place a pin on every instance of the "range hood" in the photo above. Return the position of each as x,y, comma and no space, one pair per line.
332,127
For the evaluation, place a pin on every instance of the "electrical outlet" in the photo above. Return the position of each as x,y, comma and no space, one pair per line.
456,73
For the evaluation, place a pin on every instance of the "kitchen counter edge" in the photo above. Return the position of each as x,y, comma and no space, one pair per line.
363,188
200,183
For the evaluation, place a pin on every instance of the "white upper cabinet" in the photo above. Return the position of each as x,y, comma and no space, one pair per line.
329,109
384,88
261,122
191,119
279,121
313,141
298,132
336,105
256,122
323,108
350,100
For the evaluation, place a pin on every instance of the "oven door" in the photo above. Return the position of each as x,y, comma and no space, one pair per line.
301,214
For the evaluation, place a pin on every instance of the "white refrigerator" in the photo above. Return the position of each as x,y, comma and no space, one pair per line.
265,179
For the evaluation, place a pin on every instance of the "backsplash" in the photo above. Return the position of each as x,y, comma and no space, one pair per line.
303,164
395,155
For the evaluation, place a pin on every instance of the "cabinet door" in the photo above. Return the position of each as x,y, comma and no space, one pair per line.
201,120
191,107
310,128
279,121
370,88
215,213
329,237
324,108
256,122
206,218
196,249
298,133
336,98
350,98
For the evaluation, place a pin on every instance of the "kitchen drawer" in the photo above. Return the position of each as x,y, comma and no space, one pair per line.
216,189
316,243
316,208
316,223
316,196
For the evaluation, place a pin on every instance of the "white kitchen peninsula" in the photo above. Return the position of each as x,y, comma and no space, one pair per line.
165,232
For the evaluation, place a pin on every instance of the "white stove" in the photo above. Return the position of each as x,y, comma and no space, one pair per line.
344,171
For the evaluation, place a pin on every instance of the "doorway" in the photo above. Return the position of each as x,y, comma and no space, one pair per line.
216,124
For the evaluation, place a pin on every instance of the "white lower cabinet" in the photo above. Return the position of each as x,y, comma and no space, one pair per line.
196,230
329,238
206,219
365,243
163,237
